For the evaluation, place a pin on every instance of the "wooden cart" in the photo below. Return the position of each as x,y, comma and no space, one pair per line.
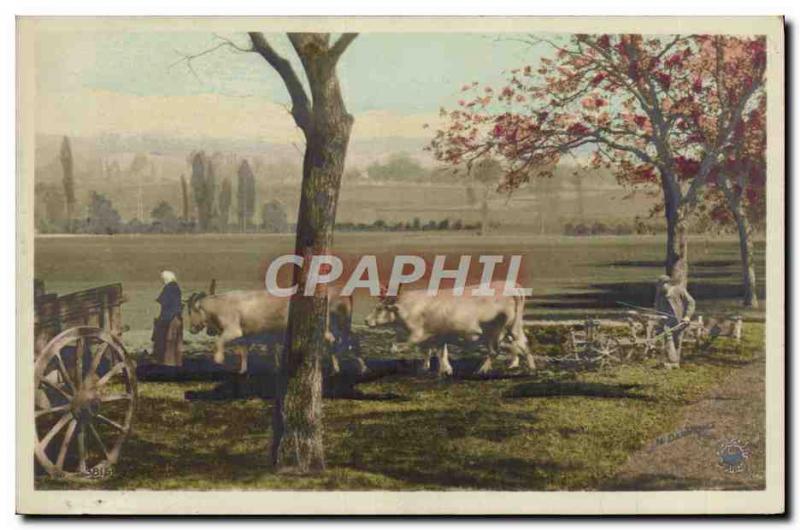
84,382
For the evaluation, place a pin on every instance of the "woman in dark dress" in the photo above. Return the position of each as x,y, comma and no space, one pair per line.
168,327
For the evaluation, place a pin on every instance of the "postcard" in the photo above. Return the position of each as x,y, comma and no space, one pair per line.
402,266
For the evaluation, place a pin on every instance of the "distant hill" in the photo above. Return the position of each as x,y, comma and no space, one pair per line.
136,173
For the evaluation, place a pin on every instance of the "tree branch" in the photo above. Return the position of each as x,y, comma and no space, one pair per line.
712,154
341,45
226,43
642,155
301,109
730,195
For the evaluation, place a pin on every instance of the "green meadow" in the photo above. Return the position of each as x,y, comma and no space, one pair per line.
555,429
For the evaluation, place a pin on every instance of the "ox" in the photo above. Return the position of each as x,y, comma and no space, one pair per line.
424,319
236,314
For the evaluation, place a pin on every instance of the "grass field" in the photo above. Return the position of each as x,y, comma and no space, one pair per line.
570,276
573,431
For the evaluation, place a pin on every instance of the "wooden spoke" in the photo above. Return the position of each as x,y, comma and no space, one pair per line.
55,387
99,440
117,368
62,452
98,357
65,372
84,440
81,448
51,410
54,430
110,422
80,347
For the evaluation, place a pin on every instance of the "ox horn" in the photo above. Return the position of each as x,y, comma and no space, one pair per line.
194,298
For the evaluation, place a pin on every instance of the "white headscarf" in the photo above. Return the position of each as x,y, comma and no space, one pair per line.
168,277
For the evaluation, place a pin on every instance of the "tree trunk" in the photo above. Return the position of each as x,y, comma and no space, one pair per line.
749,295
677,263
297,419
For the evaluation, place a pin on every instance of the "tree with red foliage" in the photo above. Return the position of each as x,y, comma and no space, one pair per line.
737,191
660,112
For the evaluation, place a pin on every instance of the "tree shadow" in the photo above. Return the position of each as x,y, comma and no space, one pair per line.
717,358
710,274
609,295
417,447
199,450
637,264
184,464
583,389
659,264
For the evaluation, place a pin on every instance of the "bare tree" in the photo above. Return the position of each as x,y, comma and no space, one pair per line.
68,181
321,115
326,125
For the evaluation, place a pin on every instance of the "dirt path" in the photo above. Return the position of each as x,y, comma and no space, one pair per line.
729,420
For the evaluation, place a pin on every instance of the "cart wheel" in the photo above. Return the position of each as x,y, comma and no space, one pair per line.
606,350
85,388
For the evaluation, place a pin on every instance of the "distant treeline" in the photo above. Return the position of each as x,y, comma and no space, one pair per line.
413,226
638,226
619,229
221,194
103,218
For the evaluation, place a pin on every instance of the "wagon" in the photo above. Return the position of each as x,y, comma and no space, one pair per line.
84,382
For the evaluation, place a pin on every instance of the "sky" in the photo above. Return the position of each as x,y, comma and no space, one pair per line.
128,83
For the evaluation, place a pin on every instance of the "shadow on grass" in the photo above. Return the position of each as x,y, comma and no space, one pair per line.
715,357
144,460
177,442
448,448
216,445
608,295
585,389
659,264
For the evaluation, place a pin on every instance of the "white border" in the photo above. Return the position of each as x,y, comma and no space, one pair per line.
448,502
